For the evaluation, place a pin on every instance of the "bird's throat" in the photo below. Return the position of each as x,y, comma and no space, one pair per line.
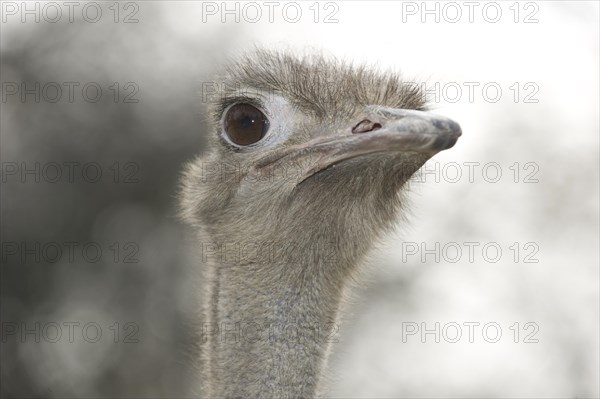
269,326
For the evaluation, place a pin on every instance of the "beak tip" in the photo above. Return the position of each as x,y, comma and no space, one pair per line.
453,132
450,134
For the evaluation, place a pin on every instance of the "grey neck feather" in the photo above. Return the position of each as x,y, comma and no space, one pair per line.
271,317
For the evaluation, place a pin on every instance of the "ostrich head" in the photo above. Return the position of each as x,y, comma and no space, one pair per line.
306,162
307,148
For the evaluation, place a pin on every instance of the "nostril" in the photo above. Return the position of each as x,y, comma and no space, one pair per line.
365,126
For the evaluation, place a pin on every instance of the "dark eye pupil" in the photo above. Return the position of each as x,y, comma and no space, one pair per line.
245,124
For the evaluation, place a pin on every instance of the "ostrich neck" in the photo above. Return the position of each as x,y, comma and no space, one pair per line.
270,317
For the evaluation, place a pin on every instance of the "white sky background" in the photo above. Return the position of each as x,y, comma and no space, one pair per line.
559,214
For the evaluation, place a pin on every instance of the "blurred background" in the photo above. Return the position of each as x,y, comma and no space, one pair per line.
101,106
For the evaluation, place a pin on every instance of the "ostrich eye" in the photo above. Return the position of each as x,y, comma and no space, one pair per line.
245,124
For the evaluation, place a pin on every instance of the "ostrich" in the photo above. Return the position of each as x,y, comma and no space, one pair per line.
305,168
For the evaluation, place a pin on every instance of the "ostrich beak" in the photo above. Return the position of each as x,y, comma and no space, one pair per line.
409,130
396,130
